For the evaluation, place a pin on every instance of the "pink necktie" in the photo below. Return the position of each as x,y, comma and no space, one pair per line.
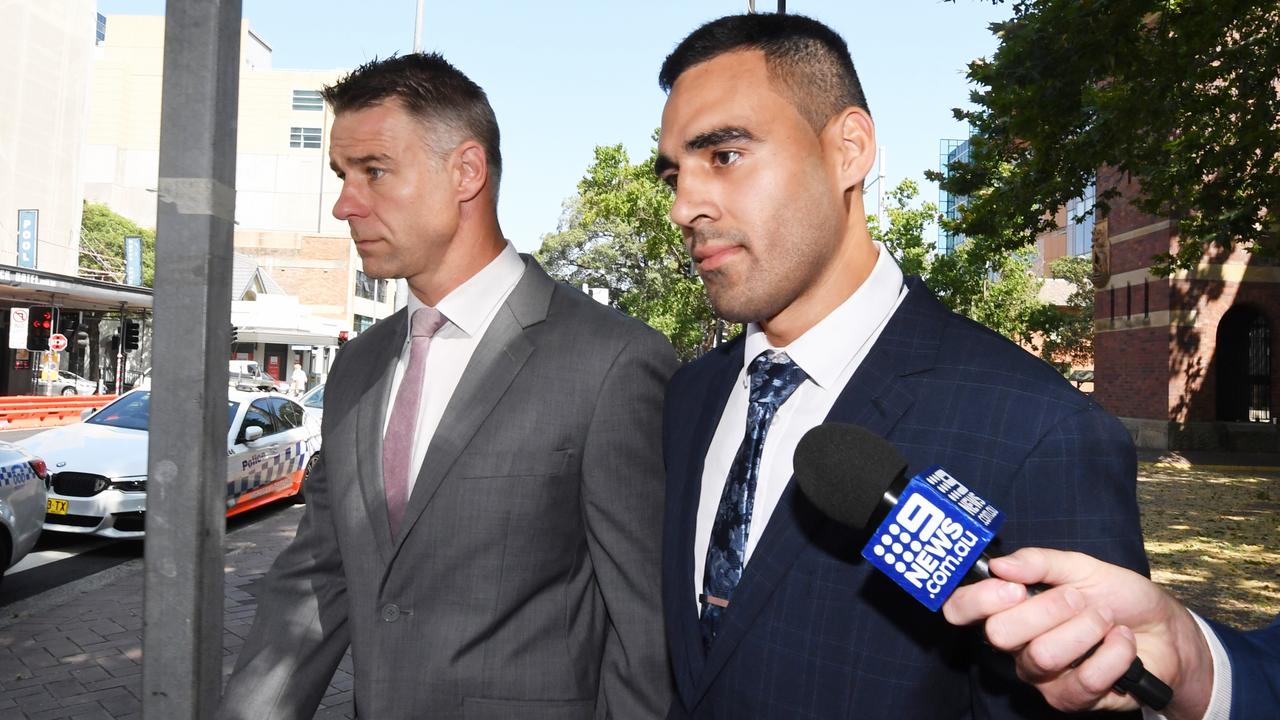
397,445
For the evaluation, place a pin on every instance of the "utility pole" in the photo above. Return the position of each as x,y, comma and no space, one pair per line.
187,455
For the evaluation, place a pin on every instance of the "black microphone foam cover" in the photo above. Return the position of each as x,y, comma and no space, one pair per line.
845,470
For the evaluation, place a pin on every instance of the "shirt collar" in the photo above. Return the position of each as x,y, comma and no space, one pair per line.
827,348
472,302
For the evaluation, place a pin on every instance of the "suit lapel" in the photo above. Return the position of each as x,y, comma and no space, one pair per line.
369,425
874,398
497,360
721,370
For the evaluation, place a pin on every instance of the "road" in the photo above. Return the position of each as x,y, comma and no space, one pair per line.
61,558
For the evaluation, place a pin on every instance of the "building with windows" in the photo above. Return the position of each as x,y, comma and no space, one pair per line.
285,190
1185,361
948,204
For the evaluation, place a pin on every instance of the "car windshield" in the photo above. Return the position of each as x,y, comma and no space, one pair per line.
134,410
315,398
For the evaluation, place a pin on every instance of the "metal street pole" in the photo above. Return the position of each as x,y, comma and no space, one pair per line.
417,28
187,464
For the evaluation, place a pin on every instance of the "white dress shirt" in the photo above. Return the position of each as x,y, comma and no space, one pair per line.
469,310
1220,697
829,353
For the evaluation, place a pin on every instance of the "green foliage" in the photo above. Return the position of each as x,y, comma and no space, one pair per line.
102,234
1067,332
990,284
1181,96
617,234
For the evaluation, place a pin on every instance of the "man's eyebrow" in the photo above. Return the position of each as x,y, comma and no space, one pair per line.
719,136
661,164
704,140
362,160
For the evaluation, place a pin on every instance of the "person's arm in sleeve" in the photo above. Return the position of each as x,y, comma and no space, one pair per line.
300,629
623,484
1075,490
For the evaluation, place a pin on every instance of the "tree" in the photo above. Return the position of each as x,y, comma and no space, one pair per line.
1067,332
617,234
102,234
1181,96
990,284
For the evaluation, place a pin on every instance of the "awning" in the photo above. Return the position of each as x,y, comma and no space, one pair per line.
23,286
284,337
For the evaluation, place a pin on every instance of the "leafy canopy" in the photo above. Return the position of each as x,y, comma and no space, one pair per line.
1181,95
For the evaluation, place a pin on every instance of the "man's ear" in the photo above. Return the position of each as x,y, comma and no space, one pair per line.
851,140
471,170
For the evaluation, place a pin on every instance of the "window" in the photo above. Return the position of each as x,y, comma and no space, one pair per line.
288,414
102,28
258,415
1080,231
307,100
381,290
365,286
361,323
304,137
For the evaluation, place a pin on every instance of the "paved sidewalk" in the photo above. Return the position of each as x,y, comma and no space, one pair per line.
76,652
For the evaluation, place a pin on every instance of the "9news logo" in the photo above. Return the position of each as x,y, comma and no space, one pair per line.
927,543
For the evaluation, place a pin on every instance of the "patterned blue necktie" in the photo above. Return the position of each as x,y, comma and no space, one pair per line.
773,378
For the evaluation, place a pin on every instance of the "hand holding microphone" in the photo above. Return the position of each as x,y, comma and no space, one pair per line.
928,532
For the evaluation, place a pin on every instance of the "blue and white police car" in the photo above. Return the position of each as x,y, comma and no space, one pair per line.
22,502
98,481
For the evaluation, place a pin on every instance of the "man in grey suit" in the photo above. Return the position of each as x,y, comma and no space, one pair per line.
483,530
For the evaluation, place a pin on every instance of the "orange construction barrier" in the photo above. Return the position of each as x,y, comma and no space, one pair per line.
28,411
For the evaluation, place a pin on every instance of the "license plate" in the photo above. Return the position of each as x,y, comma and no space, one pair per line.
57,507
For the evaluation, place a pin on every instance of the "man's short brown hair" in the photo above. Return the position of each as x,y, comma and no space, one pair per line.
431,90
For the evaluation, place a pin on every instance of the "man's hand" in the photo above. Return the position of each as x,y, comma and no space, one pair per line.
1090,602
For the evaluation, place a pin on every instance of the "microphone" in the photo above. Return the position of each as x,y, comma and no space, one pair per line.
928,533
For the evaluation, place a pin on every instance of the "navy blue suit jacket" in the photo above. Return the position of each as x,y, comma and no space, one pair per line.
1255,670
814,632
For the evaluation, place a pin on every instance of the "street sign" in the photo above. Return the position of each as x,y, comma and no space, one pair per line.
17,328
57,342
28,237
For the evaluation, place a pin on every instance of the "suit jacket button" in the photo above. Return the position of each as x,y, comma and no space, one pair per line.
390,612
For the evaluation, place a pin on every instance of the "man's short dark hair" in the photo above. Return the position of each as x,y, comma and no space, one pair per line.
807,60
431,90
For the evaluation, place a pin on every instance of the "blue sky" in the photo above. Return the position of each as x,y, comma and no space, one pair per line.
567,75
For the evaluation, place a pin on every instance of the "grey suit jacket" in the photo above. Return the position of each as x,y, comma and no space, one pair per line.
525,580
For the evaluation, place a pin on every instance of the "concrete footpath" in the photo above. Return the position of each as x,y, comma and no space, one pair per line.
76,652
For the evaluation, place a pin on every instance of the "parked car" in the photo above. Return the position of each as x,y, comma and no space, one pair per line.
313,401
98,483
248,375
68,383
22,502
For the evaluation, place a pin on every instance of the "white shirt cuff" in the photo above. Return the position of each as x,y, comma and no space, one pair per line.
1220,698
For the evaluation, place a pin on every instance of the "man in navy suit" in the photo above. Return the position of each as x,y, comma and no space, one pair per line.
1216,672
766,140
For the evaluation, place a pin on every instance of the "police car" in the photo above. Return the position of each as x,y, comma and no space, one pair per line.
98,483
22,501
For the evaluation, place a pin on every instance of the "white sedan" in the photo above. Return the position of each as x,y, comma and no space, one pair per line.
99,467
22,502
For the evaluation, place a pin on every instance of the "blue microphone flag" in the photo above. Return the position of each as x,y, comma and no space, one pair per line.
932,536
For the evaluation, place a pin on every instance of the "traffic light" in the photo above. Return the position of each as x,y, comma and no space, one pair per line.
132,334
235,335
43,320
69,323
342,337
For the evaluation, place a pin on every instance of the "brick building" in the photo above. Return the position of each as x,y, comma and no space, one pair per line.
1184,361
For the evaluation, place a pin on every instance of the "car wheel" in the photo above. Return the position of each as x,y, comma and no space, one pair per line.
68,391
300,496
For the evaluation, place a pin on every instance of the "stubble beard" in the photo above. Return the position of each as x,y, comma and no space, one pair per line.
748,290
